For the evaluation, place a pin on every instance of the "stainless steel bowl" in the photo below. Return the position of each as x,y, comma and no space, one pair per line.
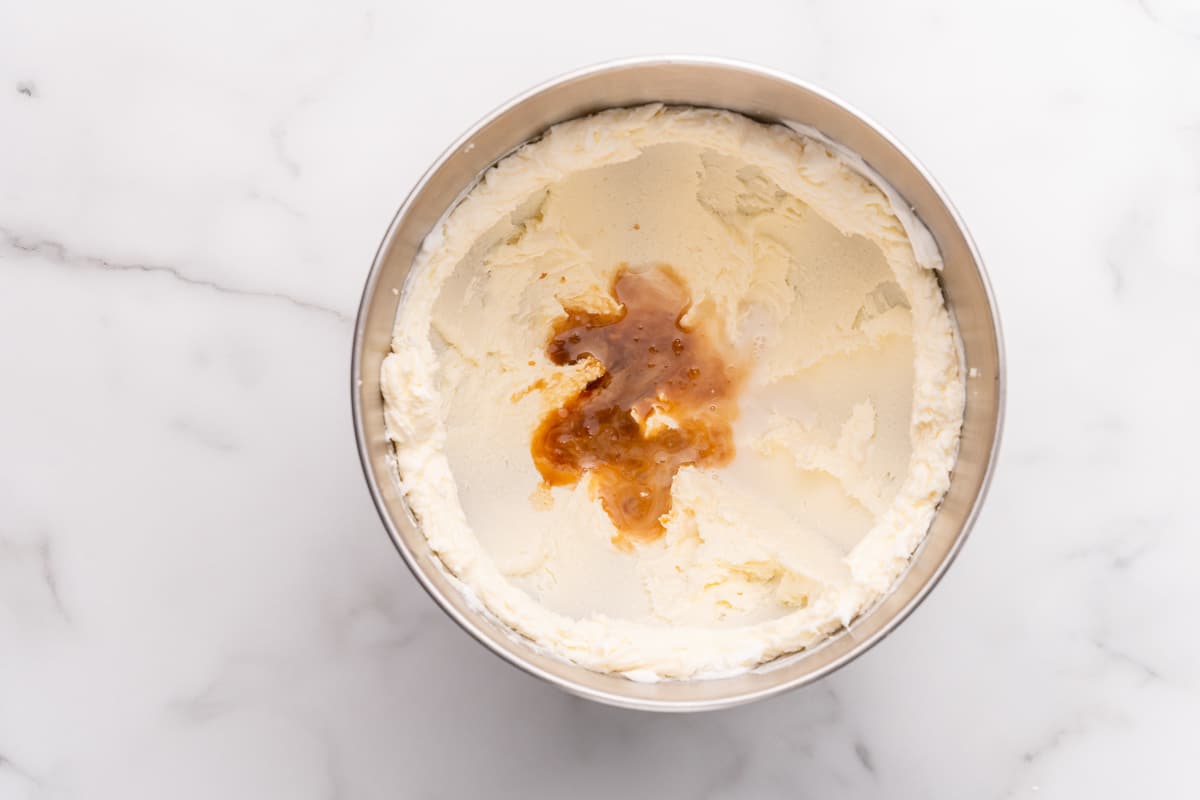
763,95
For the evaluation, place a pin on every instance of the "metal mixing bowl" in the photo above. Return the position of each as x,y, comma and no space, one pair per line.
766,96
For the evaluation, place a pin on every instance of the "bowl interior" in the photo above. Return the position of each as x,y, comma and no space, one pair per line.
768,97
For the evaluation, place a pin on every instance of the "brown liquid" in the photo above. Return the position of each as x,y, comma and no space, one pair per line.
652,365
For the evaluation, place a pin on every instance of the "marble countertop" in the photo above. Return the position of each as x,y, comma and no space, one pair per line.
196,597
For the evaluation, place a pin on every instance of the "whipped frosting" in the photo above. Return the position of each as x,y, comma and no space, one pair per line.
850,409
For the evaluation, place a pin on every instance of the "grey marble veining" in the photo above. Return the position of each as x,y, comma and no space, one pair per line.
196,597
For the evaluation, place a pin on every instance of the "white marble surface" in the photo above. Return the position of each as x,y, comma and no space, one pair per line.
196,598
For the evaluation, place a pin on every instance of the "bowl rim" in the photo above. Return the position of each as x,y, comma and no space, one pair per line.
470,625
